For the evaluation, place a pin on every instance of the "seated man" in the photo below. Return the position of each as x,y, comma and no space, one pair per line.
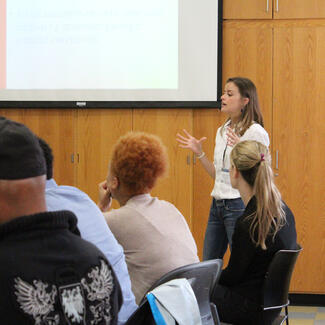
93,228
154,234
48,274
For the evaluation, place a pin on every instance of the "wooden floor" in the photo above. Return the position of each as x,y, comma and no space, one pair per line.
306,315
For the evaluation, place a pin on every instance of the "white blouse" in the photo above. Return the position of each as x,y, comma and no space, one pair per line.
222,187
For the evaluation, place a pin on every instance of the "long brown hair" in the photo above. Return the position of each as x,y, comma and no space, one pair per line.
251,159
251,112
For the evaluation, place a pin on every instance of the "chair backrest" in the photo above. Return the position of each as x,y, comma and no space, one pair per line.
201,276
277,279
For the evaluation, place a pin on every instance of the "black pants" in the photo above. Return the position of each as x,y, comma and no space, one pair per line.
235,309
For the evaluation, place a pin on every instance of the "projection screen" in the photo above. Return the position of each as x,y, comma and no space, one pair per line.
110,53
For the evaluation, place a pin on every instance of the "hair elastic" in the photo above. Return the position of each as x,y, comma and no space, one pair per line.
262,157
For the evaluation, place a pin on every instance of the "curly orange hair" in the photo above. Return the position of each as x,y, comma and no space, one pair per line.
137,160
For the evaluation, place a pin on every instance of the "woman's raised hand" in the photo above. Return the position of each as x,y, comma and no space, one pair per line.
190,142
104,196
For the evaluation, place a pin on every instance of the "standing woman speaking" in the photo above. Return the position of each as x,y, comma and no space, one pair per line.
245,122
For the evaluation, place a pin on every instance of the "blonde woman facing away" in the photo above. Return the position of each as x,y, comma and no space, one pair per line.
245,122
153,233
266,226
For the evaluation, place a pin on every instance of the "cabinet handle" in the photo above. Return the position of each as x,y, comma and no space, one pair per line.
267,5
188,159
277,159
277,6
194,159
72,158
78,157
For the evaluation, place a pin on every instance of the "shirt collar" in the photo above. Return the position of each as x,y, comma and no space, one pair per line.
40,221
50,183
139,198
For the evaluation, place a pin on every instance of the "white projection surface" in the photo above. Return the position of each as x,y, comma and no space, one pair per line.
108,50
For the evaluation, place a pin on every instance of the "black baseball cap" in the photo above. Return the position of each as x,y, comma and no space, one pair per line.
20,153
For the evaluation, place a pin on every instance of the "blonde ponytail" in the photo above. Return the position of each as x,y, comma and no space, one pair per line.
251,158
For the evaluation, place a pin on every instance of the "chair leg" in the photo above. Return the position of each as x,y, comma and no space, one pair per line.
214,313
287,315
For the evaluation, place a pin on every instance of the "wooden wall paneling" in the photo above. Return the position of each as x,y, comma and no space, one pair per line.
247,52
97,132
299,137
248,9
165,123
13,114
205,124
55,126
288,9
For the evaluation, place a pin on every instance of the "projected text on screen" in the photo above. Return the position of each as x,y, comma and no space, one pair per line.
82,44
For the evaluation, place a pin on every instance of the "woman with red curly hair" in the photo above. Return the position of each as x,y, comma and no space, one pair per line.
154,234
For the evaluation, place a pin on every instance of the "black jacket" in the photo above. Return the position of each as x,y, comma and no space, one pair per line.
49,275
248,264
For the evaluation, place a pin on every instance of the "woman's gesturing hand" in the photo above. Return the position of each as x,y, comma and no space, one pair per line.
232,137
190,142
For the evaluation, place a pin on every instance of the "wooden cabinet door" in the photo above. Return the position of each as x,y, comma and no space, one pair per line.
13,114
284,9
205,124
177,186
97,132
248,9
299,139
55,126
247,52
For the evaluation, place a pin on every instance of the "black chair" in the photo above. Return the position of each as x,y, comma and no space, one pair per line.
277,282
201,276
276,286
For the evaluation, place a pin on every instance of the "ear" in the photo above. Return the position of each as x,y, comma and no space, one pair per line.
236,173
115,183
245,101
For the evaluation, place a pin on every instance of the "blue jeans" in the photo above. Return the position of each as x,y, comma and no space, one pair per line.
221,225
